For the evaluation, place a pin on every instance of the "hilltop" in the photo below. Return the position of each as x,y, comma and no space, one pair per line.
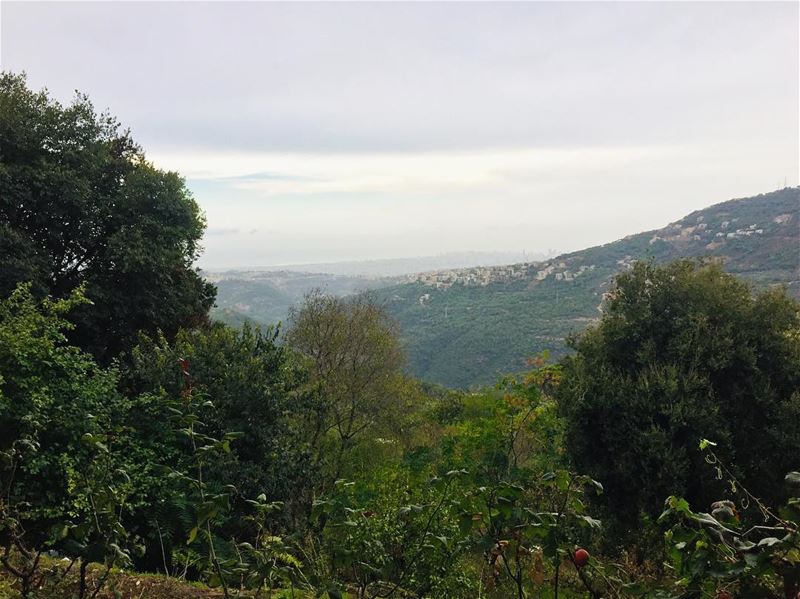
467,326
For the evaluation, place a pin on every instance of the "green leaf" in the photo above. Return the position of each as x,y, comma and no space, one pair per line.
592,522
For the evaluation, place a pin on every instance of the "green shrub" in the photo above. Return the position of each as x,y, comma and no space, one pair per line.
683,351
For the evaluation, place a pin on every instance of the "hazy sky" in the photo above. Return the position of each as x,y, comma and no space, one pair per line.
319,132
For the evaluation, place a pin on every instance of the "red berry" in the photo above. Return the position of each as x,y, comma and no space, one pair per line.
581,558
724,595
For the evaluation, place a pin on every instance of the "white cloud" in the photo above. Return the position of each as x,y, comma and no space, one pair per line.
286,174
320,207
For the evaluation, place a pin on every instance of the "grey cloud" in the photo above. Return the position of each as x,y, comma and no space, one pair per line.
393,76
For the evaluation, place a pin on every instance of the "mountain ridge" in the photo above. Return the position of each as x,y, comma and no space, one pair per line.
470,326
719,238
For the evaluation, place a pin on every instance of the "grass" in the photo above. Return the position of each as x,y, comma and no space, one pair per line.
55,582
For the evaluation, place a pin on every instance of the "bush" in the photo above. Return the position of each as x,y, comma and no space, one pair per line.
683,351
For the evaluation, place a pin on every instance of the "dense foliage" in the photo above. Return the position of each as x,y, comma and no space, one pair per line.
752,557
244,383
684,351
79,204
353,357
62,441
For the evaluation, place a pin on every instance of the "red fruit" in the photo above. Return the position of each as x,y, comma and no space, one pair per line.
581,558
724,595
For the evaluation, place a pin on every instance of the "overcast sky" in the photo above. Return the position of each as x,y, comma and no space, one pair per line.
321,132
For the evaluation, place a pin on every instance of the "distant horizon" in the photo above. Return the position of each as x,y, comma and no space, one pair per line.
549,254
464,253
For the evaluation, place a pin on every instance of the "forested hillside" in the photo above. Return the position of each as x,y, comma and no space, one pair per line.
466,327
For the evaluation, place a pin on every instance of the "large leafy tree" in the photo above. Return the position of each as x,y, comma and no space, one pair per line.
79,204
353,355
682,352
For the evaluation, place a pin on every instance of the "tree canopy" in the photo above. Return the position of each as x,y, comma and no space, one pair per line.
684,352
354,360
80,204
